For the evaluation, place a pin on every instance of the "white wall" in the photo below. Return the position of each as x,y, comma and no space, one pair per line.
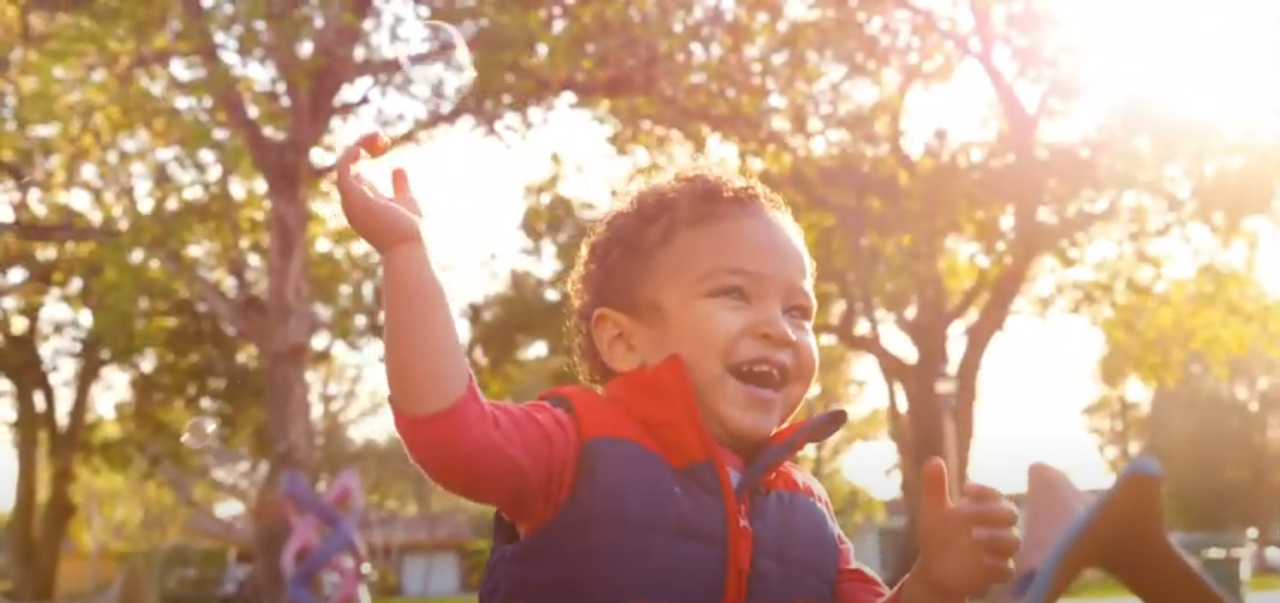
430,574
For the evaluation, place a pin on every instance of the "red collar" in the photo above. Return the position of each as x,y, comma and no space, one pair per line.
661,398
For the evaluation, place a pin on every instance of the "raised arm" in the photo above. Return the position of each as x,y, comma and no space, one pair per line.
504,455
519,458
426,368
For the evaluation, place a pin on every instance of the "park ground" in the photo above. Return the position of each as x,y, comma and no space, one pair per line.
1108,590
1263,589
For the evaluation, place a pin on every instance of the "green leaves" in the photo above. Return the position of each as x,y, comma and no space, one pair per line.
518,345
1211,319
1207,347
1214,433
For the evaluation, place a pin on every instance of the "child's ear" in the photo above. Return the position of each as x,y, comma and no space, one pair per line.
614,334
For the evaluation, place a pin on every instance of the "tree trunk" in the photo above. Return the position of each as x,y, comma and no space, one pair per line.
271,531
288,328
58,512
924,433
925,429
36,539
37,535
21,537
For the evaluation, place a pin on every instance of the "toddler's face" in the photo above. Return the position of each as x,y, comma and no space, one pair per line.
734,299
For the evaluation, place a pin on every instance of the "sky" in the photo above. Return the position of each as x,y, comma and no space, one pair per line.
1040,372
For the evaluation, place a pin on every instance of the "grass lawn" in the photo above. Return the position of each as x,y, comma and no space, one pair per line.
1104,587
1097,588
1094,588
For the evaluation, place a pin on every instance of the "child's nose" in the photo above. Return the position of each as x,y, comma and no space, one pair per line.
774,327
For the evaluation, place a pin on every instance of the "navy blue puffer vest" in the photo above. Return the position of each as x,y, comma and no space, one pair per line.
655,516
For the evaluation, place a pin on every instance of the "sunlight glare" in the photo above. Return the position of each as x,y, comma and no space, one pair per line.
1214,62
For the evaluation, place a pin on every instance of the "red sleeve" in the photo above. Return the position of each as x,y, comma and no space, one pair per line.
517,457
854,582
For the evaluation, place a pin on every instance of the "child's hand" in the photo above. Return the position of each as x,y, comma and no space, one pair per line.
966,546
384,222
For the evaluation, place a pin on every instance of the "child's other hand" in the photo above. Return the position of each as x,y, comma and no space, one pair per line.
966,546
384,222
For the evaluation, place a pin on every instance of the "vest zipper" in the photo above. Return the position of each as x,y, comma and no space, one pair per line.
742,550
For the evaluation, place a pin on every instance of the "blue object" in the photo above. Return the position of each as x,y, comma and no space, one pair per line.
301,492
330,548
341,538
1034,586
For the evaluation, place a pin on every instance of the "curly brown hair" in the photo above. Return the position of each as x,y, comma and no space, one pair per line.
617,247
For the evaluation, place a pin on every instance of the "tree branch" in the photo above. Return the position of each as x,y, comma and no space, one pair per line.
970,297
417,130
280,47
227,95
979,334
228,311
900,155
237,264
1021,122
335,44
233,315
51,233
845,331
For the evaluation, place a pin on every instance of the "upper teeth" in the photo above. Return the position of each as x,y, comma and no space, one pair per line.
771,370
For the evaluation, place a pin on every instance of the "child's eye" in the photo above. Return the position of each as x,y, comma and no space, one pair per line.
734,292
804,313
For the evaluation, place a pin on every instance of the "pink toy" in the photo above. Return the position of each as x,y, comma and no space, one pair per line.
309,537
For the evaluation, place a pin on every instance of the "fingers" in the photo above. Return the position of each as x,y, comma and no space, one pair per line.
998,570
982,493
402,193
346,162
934,494
400,184
999,513
352,185
998,543
993,522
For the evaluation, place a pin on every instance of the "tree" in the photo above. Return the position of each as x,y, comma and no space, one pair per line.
149,526
1217,440
923,239
930,237
1215,433
70,310
517,344
228,107
70,333
836,389
1190,372
391,483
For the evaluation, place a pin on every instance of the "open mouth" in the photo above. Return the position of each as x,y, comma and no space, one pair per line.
762,373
